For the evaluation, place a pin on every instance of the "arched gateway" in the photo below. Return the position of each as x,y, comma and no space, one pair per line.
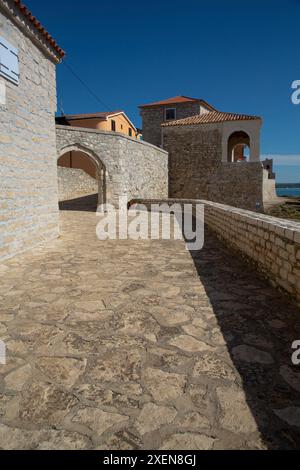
123,166
89,161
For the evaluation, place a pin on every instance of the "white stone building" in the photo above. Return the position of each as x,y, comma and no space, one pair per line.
28,157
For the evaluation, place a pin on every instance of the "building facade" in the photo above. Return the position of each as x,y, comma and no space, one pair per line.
212,155
207,160
28,159
114,121
179,107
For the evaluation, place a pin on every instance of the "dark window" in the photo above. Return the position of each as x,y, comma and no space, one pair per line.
170,114
113,125
130,132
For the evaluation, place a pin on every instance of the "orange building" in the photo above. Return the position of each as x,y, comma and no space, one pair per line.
114,121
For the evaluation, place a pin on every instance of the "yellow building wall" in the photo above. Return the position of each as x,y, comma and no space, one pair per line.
122,125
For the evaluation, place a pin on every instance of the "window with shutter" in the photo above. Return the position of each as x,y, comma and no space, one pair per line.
9,61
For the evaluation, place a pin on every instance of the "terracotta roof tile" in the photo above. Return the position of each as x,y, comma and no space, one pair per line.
176,100
211,117
39,27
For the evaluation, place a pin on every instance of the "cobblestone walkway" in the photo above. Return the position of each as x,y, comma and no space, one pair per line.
131,345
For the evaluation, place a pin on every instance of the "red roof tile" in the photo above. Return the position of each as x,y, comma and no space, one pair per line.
208,118
39,27
176,100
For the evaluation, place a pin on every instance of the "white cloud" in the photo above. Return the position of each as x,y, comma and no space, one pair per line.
286,160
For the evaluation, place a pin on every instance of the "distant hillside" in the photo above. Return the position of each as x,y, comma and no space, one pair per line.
287,185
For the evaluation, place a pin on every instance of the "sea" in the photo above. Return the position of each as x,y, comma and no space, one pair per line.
288,192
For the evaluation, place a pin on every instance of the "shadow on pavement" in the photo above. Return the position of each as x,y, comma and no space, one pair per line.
84,203
252,314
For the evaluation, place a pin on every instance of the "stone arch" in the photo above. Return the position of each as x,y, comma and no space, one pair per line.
251,128
237,141
101,172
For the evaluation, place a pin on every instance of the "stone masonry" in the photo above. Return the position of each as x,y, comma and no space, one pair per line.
273,245
202,143
152,119
197,169
29,209
132,168
73,183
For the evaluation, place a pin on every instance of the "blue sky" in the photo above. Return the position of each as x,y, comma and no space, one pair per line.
241,56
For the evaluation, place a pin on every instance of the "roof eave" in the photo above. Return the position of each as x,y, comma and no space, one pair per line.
18,12
100,118
166,104
167,124
86,118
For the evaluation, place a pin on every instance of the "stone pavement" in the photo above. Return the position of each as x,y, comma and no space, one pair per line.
143,345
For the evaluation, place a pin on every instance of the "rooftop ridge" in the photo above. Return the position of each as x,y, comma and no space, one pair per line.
177,100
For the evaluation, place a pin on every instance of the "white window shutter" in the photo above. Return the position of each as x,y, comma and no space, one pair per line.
9,61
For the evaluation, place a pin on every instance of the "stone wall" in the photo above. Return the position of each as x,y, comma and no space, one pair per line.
73,182
272,245
238,184
132,168
269,189
152,118
196,169
28,174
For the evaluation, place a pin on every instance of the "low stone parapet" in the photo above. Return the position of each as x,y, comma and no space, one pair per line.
271,244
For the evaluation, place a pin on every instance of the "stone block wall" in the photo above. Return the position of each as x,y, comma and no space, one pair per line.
193,158
73,183
238,184
133,168
28,172
144,169
152,118
271,244
196,169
